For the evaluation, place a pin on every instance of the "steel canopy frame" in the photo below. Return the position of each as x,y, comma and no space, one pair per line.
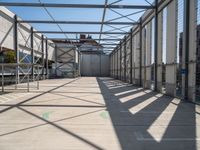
117,31
76,32
75,5
77,22
71,39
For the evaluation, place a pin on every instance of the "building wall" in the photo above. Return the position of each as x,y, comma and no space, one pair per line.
24,32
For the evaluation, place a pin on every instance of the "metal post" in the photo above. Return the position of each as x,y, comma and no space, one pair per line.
32,54
2,77
16,50
156,45
111,57
56,59
42,47
131,57
117,62
185,65
28,87
79,64
74,64
120,60
125,57
114,64
38,74
47,63
100,65
140,52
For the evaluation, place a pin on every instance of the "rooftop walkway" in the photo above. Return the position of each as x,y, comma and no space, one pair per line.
96,113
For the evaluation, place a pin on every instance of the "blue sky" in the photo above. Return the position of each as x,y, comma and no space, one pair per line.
74,15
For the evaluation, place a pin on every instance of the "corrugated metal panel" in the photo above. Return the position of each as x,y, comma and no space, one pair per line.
94,65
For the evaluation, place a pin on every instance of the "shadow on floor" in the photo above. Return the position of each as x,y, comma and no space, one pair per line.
146,120
142,119
55,124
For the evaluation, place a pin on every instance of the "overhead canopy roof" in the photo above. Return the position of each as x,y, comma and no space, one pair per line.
107,21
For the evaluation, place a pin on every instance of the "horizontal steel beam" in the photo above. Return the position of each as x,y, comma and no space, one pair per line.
71,32
108,44
75,5
79,44
70,39
109,47
77,22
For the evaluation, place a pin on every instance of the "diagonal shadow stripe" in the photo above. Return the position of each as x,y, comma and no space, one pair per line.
62,129
68,118
30,105
80,99
18,104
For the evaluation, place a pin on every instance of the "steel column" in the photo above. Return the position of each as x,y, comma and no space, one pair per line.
114,64
42,47
117,62
111,64
2,78
186,38
47,61
120,60
32,53
140,82
56,59
125,57
16,49
131,56
156,45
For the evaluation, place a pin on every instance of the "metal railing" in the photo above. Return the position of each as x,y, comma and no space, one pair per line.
19,74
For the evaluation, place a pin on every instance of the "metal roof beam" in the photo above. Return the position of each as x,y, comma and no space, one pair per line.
83,39
77,22
71,32
75,5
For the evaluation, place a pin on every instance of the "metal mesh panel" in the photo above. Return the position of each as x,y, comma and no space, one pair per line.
164,49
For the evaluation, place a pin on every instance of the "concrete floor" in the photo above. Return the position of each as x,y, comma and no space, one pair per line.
96,113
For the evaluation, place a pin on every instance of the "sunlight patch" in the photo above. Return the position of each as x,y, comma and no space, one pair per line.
197,124
144,104
160,125
119,86
133,96
126,92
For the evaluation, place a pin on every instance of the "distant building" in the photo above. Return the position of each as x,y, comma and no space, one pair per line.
85,44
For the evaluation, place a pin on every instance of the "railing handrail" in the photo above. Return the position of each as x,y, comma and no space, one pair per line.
19,64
